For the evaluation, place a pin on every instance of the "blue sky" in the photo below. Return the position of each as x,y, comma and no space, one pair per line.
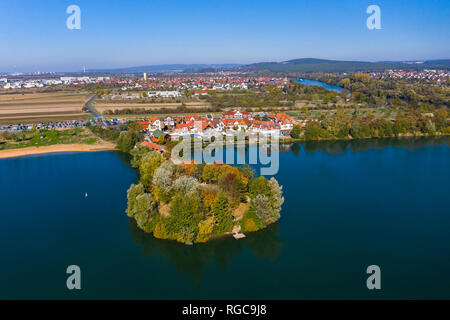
123,33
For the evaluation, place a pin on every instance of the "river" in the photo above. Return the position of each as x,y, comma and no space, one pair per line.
348,205
310,82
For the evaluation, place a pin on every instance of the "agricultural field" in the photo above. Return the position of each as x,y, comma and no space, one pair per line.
42,107
104,107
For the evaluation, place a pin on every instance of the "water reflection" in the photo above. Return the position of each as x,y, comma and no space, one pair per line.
125,158
193,260
336,147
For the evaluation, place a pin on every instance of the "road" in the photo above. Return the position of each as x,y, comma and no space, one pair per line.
91,109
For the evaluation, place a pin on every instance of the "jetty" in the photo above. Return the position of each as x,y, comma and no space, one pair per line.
238,236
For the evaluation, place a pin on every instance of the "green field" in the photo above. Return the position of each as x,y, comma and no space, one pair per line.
38,138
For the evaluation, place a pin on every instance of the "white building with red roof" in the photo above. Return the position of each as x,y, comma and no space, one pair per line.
237,115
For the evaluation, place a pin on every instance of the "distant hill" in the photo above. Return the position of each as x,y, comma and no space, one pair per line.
305,65
166,68
308,65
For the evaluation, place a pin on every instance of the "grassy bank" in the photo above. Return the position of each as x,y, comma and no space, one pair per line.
40,138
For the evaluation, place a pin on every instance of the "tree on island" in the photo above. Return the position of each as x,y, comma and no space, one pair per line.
185,215
222,214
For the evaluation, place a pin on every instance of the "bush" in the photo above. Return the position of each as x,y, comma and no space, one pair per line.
250,225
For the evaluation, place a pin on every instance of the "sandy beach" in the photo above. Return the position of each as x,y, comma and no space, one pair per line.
13,153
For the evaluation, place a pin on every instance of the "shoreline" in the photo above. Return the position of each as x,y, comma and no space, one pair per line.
57,148
303,140
105,146
400,136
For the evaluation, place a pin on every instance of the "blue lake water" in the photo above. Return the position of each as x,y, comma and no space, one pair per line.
348,205
310,82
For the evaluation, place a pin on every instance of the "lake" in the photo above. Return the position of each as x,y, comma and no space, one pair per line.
348,205
310,82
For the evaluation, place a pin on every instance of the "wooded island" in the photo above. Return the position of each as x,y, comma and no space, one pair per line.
193,203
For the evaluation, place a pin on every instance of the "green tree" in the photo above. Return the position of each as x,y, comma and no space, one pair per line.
259,185
140,206
401,126
185,185
222,214
137,154
264,210
440,119
162,182
277,198
267,199
296,131
185,215
142,209
127,141
134,126
133,192
147,166
247,172
239,190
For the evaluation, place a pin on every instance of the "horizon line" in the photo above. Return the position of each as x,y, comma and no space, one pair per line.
218,64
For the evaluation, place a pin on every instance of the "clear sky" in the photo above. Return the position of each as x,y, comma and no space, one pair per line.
124,33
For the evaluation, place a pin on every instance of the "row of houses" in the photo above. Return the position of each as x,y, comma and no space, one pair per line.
6,83
206,126
201,84
164,94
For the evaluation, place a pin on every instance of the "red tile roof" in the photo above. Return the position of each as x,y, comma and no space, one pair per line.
153,119
143,124
151,145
